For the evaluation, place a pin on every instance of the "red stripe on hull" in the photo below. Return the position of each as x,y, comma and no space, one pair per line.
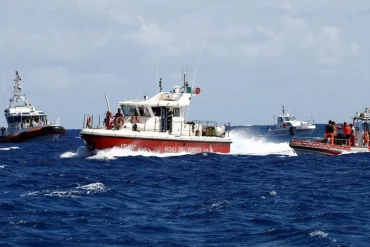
315,147
316,150
29,135
155,145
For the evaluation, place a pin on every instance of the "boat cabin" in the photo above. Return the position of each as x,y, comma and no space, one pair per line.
166,112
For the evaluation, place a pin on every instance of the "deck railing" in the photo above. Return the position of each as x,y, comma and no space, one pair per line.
337,140
182,128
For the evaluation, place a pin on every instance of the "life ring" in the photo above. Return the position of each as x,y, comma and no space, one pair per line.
88,121
284,125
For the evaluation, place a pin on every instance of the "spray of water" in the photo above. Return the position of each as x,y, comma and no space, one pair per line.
243,144
246,144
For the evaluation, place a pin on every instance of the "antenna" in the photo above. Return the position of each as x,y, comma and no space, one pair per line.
3,79
160,84
158,76
106,100
196,69
137,96
200,53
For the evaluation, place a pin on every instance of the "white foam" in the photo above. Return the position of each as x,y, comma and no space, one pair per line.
112,153
272,193
81,152
250,145
94,187
79,190
318,233
243,144
9,148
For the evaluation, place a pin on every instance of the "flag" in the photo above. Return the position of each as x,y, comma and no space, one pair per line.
196,90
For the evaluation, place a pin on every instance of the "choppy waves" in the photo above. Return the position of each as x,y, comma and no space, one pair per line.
61,194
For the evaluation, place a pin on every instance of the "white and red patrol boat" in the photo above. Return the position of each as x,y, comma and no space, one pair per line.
355,144
25,123
158,124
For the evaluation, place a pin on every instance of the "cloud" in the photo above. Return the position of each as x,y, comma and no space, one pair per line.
69,47
354,47
332,34
152,34
120,17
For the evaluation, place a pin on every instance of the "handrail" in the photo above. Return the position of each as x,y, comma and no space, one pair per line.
193,128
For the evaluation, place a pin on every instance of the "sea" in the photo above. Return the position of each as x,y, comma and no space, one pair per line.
261,194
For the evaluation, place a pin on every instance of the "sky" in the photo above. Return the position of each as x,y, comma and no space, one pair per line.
251,57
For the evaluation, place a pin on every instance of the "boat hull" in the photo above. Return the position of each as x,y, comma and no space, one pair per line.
287,132
308,147
46,133
286,135
155,144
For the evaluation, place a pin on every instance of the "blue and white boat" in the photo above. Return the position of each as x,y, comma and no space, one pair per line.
288,126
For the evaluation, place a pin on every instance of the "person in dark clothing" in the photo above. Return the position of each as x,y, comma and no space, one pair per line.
329,132
118,119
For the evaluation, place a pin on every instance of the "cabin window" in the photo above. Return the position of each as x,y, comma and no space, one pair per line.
156,111
146,112
129,110
280,119
176,112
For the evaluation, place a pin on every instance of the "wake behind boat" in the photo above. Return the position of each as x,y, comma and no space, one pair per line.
158,124
25,123
287,127
357,141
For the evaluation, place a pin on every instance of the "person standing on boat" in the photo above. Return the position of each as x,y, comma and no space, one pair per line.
347,130
107,120
329,132
335,128
88,121
366,138
118,119
352,138
339,135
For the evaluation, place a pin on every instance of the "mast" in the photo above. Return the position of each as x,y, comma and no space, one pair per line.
283,110
17,92
2,78
160,84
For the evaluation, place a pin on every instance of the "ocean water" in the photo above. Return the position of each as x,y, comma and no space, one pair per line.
262,194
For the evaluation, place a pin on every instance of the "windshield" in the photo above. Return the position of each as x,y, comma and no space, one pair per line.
128,110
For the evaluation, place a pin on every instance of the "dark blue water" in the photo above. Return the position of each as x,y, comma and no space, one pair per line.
58,194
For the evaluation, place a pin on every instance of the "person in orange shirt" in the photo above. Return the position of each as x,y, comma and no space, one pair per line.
347,131
366,138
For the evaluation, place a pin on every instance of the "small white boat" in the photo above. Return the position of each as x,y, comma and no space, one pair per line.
354,144
287,126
